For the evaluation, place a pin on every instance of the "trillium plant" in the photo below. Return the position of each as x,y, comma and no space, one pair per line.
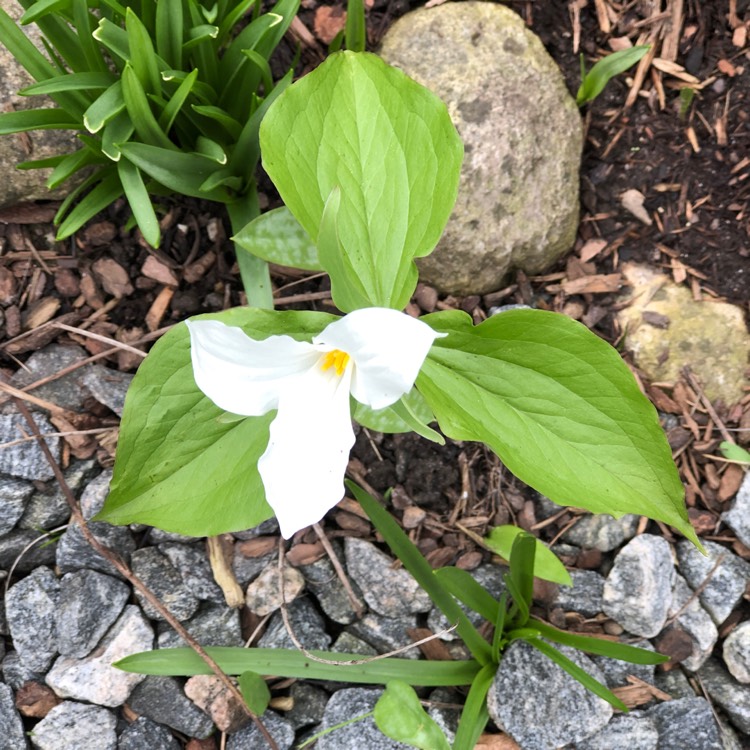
241,415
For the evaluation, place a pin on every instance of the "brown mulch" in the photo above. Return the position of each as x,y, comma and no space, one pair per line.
689,162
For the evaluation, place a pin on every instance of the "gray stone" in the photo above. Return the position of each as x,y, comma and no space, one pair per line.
89,603
322,580
309,704
638,589
693,620
631,732
76,726
26,460
738,516
724,589
585,595
686,723
144,734
250,737
307,624
616,672
674,683
446,718
75,553
347,643
737,652
725,691
108,386
66,392
347,704
11,726
93,678
164,580
14,496
15,672
50,509
388,591
264,596
26,184
162,700
541,706
246,569
159,536
191,561
602,532
212,625
517,203
26,549
387,633
93,497
30,608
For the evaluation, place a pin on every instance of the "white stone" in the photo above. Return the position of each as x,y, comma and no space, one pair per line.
737,652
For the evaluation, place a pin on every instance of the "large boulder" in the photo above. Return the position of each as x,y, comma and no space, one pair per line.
19,185
517,203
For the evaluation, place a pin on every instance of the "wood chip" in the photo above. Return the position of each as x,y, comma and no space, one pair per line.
591,248
258,547
434,649
597,284
27,213
8,286
196,271
158,308
113,277
329,21
40,312
154,269
731,480
496,742
674,70
739,36
90,291
35,700
632,201
305,554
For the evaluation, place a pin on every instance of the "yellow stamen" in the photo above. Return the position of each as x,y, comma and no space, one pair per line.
336,359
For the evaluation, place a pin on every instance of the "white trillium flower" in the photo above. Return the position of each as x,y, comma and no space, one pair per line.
374,354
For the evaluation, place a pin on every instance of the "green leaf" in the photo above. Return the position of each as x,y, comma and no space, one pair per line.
176,102
23,50
277,237
733,452
142,54
136,102
179,467
70,82
255,691
42,8
116,132
292,663
607,68
519,579
212,150
168,31
114,38
546,563
409,414
37,119
389,145
355,32
475,596
140,202
232,127
103,109
400,716
475,715
70,164
560,408
106,192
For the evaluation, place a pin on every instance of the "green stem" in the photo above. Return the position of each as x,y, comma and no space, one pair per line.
254,272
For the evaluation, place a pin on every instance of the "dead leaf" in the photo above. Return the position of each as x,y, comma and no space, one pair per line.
597,284
632,201
591,249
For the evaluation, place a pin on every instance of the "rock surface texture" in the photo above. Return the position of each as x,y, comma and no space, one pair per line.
517,203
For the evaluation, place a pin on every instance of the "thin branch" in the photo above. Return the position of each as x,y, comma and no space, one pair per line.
357,605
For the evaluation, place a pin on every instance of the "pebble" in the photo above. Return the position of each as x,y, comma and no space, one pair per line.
724,590
191,561
624,731
387,633
539,704
75,553
165,581
161,699
585,595
16,673
31,605
89,603
76,726
446,718
388,591
93,678
725,691
309,704
638,589
108,386
11,726
212,625
247,568
263,595
616,672
695,621
144,734
686,723
210,695
322,581
250,737
93,497
14,495
738,516
25,549
26,460
307,624
602,531
674,683
347,643
737,652
344,705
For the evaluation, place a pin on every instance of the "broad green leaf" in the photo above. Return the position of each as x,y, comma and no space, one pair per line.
178,466
559,407
389,145
400,716
255,691
546,563
70,82
598,77
140,202
409,414
37,119
277,237
733,452
292,663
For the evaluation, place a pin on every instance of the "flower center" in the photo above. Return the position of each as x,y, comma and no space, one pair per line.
336,359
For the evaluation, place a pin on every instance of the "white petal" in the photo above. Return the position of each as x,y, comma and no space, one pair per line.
308,450
387,347
240,374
